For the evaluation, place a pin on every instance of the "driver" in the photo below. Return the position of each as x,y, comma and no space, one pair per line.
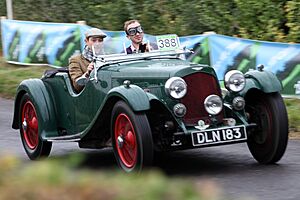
81,65
135,33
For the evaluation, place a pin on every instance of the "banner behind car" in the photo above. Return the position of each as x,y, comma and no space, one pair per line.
27,42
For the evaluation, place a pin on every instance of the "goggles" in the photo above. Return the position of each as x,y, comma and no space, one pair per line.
95,39
134,31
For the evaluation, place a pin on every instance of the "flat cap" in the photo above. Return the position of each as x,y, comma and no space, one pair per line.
94,32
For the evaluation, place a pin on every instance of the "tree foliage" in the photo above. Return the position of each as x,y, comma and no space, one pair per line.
272,20
262,19
292,10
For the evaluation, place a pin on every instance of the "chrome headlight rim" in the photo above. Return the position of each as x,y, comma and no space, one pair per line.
213,99
238,103
176,87
234,81
179,110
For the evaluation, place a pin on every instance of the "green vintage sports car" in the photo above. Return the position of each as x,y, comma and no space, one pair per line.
145,103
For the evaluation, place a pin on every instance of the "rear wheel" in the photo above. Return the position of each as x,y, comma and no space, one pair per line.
268,142
34,146
131,138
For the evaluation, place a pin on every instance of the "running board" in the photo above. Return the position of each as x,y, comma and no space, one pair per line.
66,138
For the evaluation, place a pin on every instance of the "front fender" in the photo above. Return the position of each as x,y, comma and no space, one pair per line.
42,102
265,81
133,95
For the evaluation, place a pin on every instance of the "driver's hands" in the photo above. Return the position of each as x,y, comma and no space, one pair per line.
89,69
148,48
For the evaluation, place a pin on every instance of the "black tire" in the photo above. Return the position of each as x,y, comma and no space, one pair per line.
131,138
34,146
268,141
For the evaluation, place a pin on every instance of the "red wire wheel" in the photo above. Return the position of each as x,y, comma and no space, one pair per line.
131,138
30,125
33,144
126,140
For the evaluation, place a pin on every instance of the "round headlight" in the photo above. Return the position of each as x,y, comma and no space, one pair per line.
179,110
213,104
238,103
234,81
176,87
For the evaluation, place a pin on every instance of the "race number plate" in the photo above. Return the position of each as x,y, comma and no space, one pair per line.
219,136
167,42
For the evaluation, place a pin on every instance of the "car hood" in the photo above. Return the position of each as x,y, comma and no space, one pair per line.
162,68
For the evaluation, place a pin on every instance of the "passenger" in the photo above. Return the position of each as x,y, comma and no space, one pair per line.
135,33
81,65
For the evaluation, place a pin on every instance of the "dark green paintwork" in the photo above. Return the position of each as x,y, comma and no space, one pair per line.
42,102
262,80
59,108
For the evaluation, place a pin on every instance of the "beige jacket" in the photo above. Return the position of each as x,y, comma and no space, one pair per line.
77,67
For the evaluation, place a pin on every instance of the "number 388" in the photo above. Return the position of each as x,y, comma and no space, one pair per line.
165,43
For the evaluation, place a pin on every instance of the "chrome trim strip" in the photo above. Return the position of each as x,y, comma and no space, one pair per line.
67,138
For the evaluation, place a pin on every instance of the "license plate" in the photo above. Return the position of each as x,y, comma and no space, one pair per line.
219,135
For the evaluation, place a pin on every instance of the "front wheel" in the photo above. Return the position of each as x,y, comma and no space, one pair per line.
268,142
34,146
131,138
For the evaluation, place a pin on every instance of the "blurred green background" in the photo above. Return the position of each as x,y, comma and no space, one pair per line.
271,20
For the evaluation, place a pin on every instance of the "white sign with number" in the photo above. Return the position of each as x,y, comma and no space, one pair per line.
167,42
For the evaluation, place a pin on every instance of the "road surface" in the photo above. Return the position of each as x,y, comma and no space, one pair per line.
231,167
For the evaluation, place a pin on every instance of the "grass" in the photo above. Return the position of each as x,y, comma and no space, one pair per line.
293,109
12,75
62,179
